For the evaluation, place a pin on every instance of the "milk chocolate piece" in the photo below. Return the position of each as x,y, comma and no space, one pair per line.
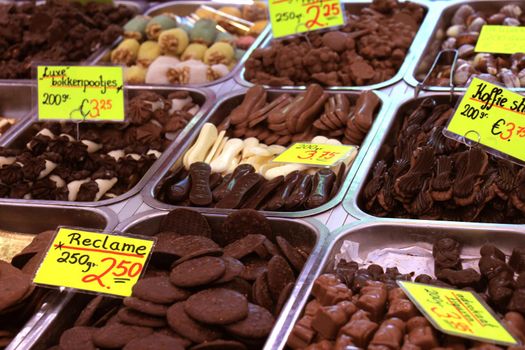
517,260
360,331
302,334
321,186
390,334
329,319
255,98
373,300
200,193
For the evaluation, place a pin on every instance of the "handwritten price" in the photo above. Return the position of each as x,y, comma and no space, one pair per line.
509,132
457,324
324,155
328,11
132,271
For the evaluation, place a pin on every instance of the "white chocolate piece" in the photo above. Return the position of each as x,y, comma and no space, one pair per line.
233,164
333,142
92,147
59,182
261,151
231,149
154,105
73,188
154,152
27,196
46,132
133,156
204,142
221,147
178,104
248,144
258,161
283,170
265,167
276,149
215,147
158,69
193,110
117,154
49,167
104,185
319,139
6,160
69,137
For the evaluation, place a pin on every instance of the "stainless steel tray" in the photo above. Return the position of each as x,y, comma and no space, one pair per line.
355,6
381,149
140,6
307,233
203,97
377,235
435,33
33,219
15,102
220,111
185,8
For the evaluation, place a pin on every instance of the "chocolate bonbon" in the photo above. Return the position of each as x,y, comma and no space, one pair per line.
55,31
434,177
105,161
361,307
198,298
368,49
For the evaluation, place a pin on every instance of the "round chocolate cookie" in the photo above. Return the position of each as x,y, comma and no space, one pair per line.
155,341
220,345
291,253
233,269
239,285
197,272
186,245
261,292
258,324
159,290
14,285
279,275
77,338
116,335
283,297
136,318
244,222
146,307
197,254
244,246
181,323
186,222
217,306
253,268
87,313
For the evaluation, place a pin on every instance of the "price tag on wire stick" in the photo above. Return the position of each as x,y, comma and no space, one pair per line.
457,312
88,93
290,17
94,261
315,154
492,116
501,39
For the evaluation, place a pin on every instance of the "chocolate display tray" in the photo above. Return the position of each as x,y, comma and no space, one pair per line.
378,235
202,96
354,6
33,219
220,111
185,8
382,148
139,6
307,233
434,38
15,102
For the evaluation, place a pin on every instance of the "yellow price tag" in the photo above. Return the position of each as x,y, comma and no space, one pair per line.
290,17
94,261
315,154
492,116
501,39
457,312
90,93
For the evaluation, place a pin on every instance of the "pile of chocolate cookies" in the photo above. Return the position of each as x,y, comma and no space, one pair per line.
429,176
204,289
19,299
107,159
368,49
462,34
55,31
364,308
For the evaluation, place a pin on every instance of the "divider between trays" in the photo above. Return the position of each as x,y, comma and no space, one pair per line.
55,300
149,195
419,40
436,29
206,95
351,200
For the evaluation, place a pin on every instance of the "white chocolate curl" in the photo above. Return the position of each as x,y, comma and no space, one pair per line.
50,166
92,147
104,185
73,188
